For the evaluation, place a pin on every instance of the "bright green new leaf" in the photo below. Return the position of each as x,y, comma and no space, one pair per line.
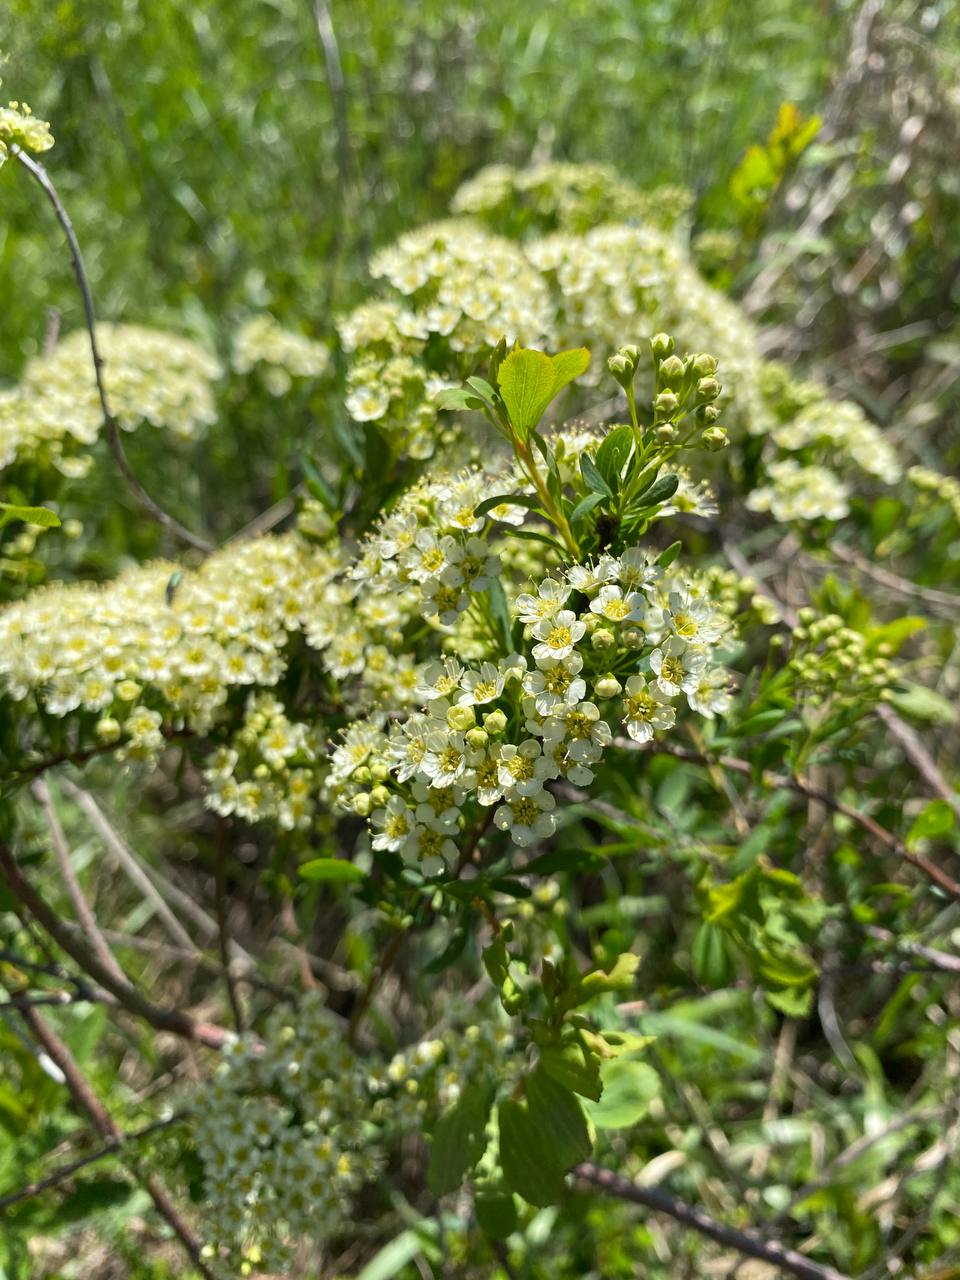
524,1159
331,869
619,978
628,1089
936,819
41,516
530,379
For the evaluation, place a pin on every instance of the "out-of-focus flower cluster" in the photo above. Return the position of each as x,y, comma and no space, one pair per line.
934,488
839,431
295,1123
796,492
280,354
151,376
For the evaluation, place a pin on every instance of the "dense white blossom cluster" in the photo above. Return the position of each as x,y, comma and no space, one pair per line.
295,1122
565,197
281,354
151,376
840,431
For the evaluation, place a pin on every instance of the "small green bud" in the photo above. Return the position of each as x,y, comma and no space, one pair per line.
603,638
461,718
477,739
379,772
704,366
714,438
708,388
379,797
632,638
631,351
708,413
362,805
672,371
621,368
666,404
662,345
666,431
495,722
806,615
362,776
607,687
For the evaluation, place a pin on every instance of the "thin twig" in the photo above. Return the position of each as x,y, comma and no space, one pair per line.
101,1120
223,929
745,1242
112,429
162,1019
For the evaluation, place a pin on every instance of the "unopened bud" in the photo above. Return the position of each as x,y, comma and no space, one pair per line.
607,687
672,371
633,637
362,776
379,772
631,351
108,729
708,388
704,366
362,805
666,403
477,739
715,438
603,638
461,718
708,413
666,431
379,797
662,344
495,722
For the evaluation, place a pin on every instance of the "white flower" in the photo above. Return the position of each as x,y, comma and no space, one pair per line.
646,708
394,825
439,680
610,603
587,577
637,572
527,818
711,697
692,620
557,635
524,769
445,598
472,565
581,729
549,600
677,666
446,760
556,683
483,686
428,556
366,403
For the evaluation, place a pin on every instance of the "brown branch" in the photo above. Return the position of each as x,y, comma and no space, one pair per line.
745,1242
801,786
86,1100
162,1019
112,429
81,756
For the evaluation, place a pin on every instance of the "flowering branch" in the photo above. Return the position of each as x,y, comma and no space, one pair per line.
152,508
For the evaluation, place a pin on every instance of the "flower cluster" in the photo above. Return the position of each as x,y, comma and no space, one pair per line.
279,353
829,659
840,431
295,1123
796,492
937,488
608,646
151,376
554,196
20,127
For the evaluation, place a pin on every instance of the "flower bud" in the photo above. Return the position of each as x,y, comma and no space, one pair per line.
477,739
666,431
632,638
607,687
107,729
461,718
362,776
379,797
362,805
379,772
708,413
704,366
631,351
665,404
621,368
603,638
662,344
672,370
495,722
708,388
714,438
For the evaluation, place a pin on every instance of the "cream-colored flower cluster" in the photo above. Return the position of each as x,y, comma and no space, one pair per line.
555,196
295,1123
20,127
151,376
796,492
841,433
280,354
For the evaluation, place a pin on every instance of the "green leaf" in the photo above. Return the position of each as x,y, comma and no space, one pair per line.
628,1089
41,516
501,612
661,490
666,558
457,398
564,860
530,379
557,1112
585,506
331,869
393,1257
592,477
528,500
316,484
527,1167
613,453
573,1067
459,1139
619,978
710,957
921,703
496,1212
935,820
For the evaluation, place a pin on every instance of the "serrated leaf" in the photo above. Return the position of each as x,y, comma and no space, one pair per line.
628,1089
41,516
619,978
331,870
555,1109
572,1066
457,398
530,379
459,1139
